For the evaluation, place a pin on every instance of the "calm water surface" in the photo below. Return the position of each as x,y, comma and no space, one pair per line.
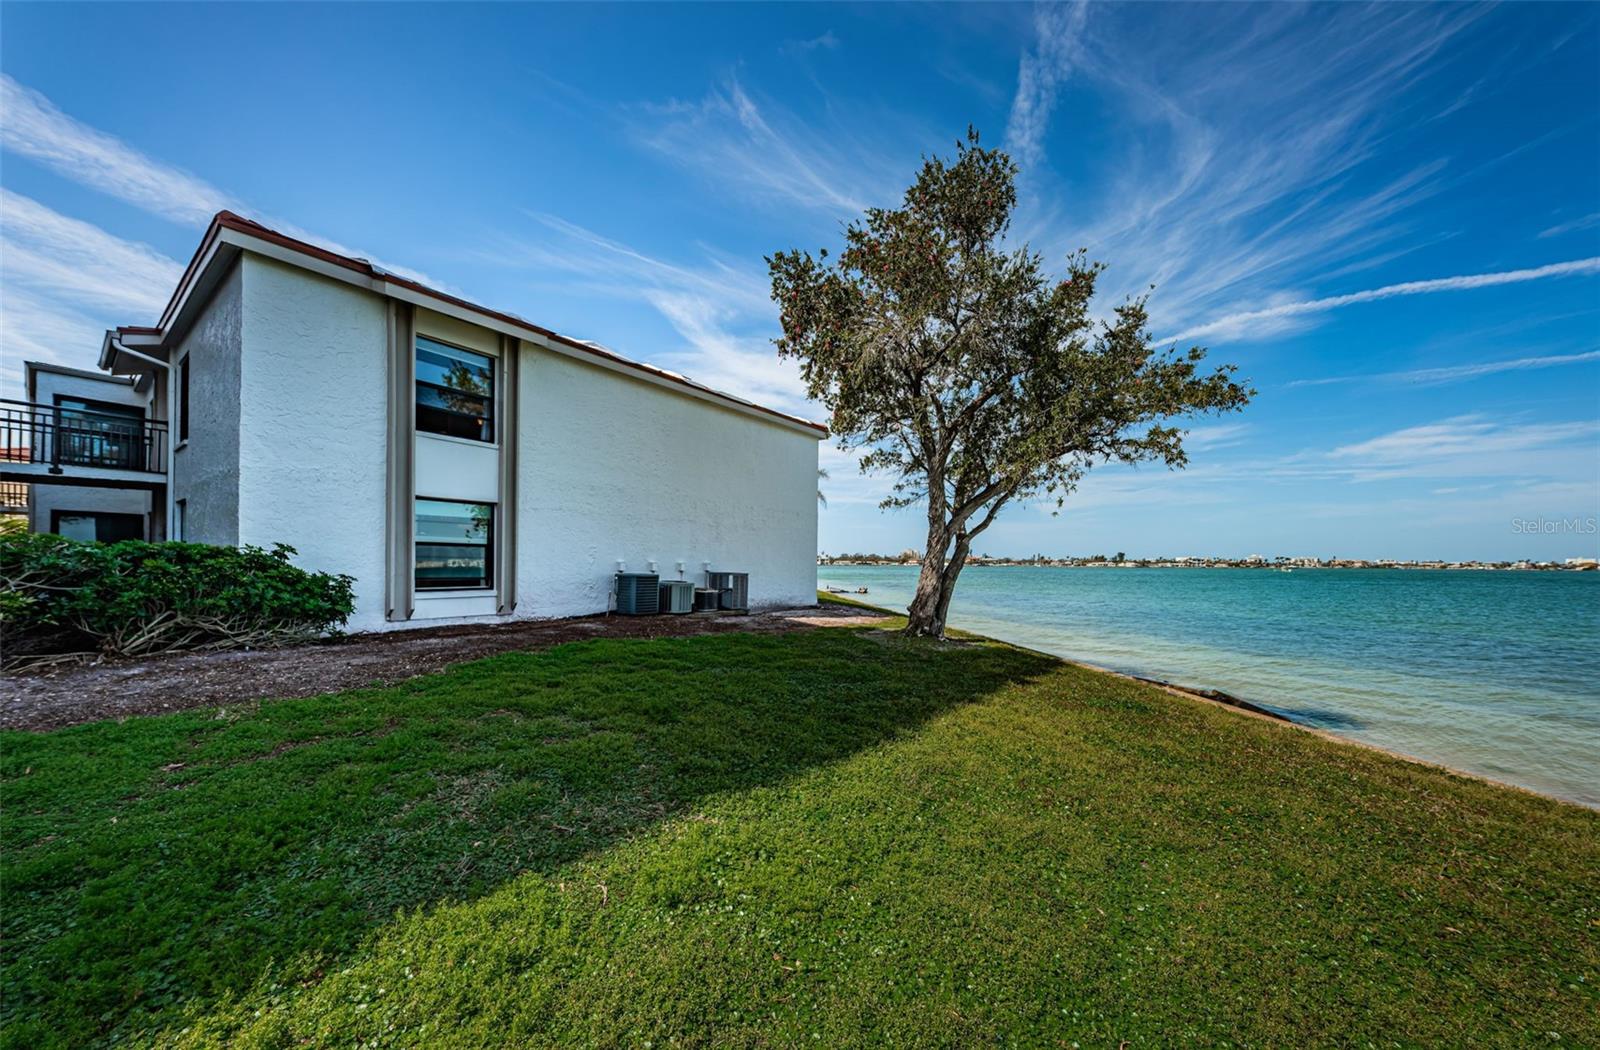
1495,673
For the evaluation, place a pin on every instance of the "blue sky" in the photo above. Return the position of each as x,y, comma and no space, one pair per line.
1388,217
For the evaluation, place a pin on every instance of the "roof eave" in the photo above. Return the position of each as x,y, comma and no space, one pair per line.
230,232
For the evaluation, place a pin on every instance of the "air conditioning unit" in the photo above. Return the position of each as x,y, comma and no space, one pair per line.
734,588
638,593
677,596
706,599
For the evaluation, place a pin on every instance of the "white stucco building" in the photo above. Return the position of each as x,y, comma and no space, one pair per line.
458,462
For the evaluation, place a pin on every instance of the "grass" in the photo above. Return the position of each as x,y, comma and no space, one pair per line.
837,837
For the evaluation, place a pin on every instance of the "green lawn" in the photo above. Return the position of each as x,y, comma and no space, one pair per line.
836,837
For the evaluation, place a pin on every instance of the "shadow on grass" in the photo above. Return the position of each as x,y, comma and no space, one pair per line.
177,860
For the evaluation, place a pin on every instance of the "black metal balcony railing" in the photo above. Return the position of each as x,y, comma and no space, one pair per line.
71,437
13,497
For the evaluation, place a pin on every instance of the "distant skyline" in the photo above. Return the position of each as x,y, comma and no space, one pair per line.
1387,216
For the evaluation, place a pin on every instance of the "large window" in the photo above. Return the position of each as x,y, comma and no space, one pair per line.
455,391
96,525
454,544
100,434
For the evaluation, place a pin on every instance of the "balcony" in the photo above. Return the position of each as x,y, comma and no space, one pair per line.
51,444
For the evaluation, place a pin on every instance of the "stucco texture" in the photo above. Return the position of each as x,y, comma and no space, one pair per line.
609,466
205,469
616,468
312,425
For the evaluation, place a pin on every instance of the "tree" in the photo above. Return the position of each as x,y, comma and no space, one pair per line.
963,370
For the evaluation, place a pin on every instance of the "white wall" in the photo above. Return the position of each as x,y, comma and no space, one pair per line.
45,498
116,390
609,466
312,430
615,468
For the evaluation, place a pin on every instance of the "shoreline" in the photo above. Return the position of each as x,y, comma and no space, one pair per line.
1247,708
1570,565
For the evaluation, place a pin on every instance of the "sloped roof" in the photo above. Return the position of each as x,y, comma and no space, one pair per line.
310,255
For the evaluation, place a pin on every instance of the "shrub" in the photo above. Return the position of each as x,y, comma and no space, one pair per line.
64,599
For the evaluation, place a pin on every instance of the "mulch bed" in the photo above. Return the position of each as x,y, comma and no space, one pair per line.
64,696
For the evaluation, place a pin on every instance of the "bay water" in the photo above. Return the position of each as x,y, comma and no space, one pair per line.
1491,672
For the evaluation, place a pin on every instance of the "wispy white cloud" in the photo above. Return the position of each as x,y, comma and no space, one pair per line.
1214,436
64,281
720,311
617,267
31,125
1040,75
1459,435
36,328
722,356
1246,323
1225,193
77,261
1456,373
769,156
1470,448
825,41
1587,222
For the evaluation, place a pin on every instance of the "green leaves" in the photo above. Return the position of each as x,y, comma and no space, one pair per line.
61,597
964,370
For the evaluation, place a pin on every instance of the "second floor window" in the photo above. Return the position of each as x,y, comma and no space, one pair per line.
455,391
99,434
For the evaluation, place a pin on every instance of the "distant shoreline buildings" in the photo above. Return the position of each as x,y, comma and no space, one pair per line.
1252,561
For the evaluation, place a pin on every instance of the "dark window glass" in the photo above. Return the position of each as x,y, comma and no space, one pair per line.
454,544
455,391
103,528
100,434
183,399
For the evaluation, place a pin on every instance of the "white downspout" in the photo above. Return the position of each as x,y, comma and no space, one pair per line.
171,503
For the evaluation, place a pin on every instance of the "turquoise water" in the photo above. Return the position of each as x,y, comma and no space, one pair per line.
1495,673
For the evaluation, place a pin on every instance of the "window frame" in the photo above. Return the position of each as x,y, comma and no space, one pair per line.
90,432
421,588
491,399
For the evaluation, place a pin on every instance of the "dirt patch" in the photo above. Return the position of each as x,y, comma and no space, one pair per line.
64,696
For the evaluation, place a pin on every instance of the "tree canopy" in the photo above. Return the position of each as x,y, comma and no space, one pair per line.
964,370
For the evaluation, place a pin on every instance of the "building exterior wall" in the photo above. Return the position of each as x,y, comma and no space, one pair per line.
48,385
609,467
44,499
311,434
613,468
206,473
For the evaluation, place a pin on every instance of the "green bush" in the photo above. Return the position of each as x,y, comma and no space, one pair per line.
64,599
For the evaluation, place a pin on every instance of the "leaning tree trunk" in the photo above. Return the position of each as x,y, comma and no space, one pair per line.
922,613
929,609
947,583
